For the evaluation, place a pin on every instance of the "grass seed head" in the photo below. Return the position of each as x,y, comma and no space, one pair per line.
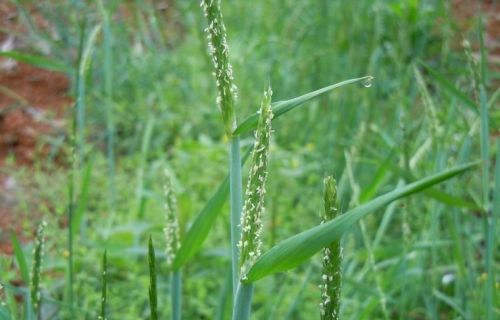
332,258
219,51
37,265
171,229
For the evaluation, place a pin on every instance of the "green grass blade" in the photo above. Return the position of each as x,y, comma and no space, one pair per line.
153,296
236,205
176,282
37,61
199,230
104,286
450,87
201,227
21,258
297,249
243,303
491,245
4,313
77,217
451,303
281,107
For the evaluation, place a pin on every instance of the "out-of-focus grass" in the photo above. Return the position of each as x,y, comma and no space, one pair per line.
150,105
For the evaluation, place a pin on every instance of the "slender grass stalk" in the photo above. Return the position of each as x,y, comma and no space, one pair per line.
250,244
153,296
491,294
72,173
236,205
481,79
104,284
171,231
176,283
218,49
108,90
332,259
37,269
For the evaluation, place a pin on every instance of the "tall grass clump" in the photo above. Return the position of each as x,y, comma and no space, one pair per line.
332,258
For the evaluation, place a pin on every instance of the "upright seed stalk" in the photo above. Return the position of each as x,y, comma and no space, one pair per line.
332,258
251,220
218,49
253,208
171,231
102,315
37,269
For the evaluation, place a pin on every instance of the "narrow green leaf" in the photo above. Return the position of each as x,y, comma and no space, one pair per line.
450,302
153,296
199,230
4,313
36,268
21,258
36,61
281,107
82,200
298,248
450,87
104,286
176,286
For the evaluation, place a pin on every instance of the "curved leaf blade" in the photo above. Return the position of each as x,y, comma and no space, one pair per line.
281,107
37,61
199,230
295,250
450,87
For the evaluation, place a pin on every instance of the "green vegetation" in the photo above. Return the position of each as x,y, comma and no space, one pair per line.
416,118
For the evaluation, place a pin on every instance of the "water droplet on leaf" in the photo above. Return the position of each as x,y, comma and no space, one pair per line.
367,83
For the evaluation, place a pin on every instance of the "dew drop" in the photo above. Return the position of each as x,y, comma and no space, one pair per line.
367,83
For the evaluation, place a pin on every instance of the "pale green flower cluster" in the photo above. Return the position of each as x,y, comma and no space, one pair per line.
332,259
253,208
171,229
218,48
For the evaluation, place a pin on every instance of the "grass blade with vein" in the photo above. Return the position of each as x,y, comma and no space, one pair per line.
281,107
297,249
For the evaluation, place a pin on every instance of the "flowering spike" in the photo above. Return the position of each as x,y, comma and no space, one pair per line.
332,259
218,49
171,229
251,219
37,266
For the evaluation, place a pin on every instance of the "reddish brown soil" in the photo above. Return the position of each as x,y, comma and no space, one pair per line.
23,122
465,12
32,104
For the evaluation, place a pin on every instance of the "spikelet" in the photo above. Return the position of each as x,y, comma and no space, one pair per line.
218,49
37,266
428,103
332,259
473,68
171,229
253,208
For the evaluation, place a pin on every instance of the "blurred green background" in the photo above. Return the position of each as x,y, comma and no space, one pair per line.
147,100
